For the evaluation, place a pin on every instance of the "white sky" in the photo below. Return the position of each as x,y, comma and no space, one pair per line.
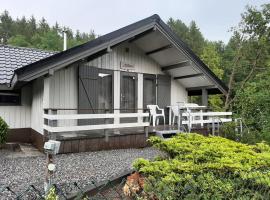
214,17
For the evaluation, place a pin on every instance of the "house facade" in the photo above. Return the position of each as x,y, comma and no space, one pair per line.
121,72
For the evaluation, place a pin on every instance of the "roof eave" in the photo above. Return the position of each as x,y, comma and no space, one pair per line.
49,64
199,63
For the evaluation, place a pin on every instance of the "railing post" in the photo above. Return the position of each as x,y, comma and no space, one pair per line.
46,122
52,123
146,131
213,126
107,121
201,118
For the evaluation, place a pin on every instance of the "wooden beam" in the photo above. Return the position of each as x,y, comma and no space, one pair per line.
204,97
96,55
141,35
176,65
201,87
188,76
159,49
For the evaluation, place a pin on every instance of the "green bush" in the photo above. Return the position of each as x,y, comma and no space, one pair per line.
52,194
199,167
3,131
248,136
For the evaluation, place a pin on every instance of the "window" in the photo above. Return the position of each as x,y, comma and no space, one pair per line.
105,90
10,98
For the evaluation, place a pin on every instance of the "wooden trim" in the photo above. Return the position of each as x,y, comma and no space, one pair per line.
141,35
94,116
21,135
188,76
132,140
176,65
207,114
94,127
105,109
207,121
159,49
200,88
26,135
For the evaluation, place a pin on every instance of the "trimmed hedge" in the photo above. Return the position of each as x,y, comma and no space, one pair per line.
199,167
3,131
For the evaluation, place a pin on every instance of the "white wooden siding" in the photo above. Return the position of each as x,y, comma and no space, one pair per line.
135,57
64,88
178,92
37,105
18,116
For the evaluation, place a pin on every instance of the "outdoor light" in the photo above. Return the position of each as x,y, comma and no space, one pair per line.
51,167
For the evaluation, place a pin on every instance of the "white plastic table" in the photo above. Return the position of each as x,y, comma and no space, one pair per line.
182,108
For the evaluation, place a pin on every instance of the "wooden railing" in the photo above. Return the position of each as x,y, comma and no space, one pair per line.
193,118
52,117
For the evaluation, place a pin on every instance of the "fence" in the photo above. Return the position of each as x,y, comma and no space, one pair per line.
199,186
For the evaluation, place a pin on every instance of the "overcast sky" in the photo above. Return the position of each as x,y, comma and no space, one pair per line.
214,17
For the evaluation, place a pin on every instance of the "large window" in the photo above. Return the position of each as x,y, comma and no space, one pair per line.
10,98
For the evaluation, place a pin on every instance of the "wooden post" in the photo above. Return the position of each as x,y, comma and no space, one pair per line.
204,97
46,122
146,131
140,96
52,123
116,98
48,174
107,121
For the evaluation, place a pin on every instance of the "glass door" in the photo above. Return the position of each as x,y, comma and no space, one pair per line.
128,92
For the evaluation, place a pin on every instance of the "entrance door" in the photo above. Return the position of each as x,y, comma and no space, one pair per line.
128,92
149,90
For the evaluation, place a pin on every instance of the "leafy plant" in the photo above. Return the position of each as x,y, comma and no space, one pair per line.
52,194
3,131
199,167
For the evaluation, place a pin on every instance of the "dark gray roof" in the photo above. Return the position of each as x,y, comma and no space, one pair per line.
12,58
100,45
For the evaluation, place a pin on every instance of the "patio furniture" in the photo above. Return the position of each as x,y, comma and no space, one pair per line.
154,115
175,114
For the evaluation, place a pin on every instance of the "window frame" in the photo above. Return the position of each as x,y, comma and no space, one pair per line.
11,93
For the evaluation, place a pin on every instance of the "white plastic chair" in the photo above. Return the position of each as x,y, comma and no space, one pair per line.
175,113
154,115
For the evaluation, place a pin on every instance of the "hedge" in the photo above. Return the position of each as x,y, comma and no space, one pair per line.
198,167
3,131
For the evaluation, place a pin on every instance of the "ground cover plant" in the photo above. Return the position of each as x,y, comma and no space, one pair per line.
198,167
3,131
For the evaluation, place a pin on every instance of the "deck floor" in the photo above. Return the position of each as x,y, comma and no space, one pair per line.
116,132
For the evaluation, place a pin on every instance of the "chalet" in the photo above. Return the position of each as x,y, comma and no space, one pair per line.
95,95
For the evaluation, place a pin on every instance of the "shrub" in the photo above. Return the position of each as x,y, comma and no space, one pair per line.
248,136
199,167
3,131
52,194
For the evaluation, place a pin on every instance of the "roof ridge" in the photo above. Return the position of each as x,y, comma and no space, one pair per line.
27,48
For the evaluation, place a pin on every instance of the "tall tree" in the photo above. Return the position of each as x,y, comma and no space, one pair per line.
189,34
251,50
6,27
30,33
195,38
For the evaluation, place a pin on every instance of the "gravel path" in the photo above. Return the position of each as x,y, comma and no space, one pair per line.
20,172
